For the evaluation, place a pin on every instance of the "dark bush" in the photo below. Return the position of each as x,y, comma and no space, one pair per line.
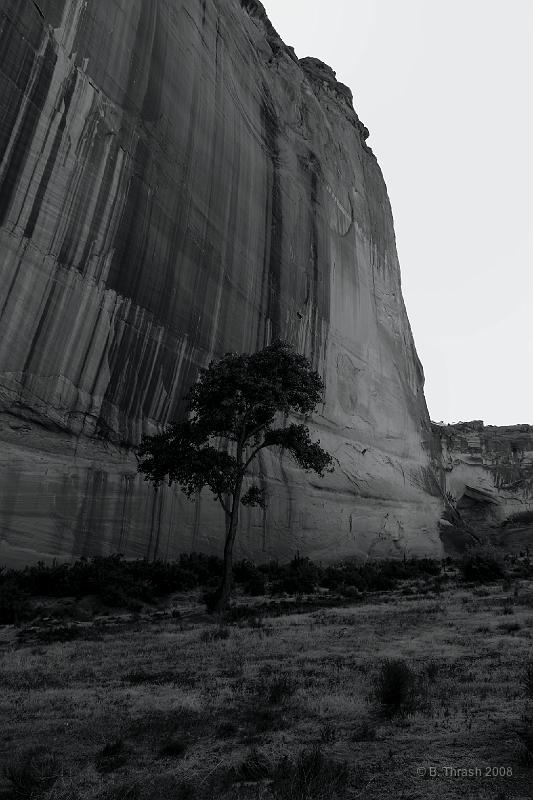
206,569
215,634
211,598
61,633
15,604
395,687
255,767
121,583
525,741
251,579
115,581
256,587
113,756
245,571
272,571
481,569
312,776
300,576
174,748
236,614
277,690
377,576
33,773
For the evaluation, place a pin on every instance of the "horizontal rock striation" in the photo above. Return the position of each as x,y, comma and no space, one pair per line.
175,184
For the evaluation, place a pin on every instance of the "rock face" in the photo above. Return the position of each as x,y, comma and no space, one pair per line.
175,184
488,472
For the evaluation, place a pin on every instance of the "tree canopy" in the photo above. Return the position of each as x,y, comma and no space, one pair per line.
232,413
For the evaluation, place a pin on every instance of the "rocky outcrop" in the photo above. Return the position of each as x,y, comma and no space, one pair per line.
487,472
174,184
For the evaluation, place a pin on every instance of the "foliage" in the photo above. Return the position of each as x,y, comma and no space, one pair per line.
111,757
32,773
525,741
59,633
175,747
250,577
254,767
231,416
14,603
277,690
395,687
300,576
481,568
118,582
311,776
377,575
235,402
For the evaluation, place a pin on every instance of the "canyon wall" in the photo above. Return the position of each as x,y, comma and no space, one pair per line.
175,184
487,472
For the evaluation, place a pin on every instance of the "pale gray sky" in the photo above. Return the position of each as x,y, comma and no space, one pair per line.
446,90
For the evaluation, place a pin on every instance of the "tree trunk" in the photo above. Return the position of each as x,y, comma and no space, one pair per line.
231,532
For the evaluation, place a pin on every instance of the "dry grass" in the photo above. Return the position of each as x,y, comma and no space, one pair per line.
184,708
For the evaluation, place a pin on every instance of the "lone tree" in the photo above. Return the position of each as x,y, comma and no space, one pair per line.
231,414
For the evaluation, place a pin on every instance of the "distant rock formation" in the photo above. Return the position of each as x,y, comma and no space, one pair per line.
174,184
487,472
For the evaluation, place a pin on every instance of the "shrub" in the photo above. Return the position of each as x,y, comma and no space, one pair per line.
525,742
395,687
113,756
300,576
206,569
272,571
174,748
312,776
15,604
328,733
60,633
256,587
377,576
251,579
244,571
33,773
481,568
210,598
214,635
255,767
278,689
365,732
236,614
115,580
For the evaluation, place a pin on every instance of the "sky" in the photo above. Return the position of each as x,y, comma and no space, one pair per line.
446,90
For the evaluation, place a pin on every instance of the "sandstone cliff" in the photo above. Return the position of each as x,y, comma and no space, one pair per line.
487,472
174,184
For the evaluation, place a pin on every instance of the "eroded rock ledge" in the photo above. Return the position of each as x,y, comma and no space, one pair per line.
488,470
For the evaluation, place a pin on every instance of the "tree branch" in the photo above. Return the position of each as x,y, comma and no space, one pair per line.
254,453
222,503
